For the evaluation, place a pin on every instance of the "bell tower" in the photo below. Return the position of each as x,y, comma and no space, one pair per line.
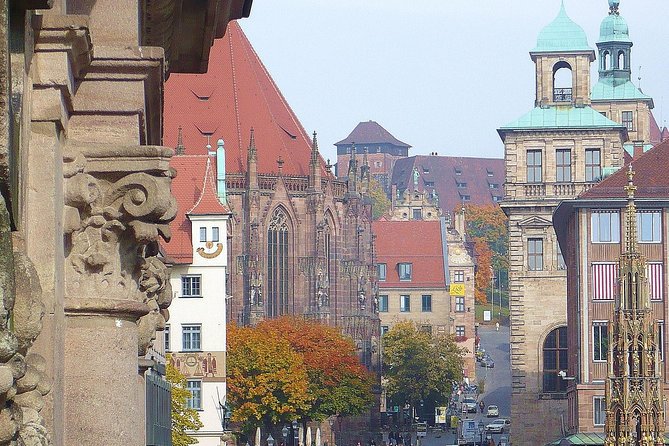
562,58
615,47
634,401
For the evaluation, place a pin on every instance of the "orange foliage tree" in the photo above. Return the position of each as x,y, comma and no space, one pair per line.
483,269
266,378
338,383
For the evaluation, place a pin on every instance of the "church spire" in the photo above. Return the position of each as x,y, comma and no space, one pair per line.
180,149
252,163
315,165
630,215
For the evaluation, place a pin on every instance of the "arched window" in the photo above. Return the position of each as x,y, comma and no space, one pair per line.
562,82
555,360
622,62
277,264
606,60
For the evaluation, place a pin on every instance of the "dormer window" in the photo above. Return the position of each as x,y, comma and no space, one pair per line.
203,235
458,171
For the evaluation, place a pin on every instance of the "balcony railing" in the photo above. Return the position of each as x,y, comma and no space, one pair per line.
554,189
562,95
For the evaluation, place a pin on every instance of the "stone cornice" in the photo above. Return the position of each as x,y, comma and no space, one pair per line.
65,33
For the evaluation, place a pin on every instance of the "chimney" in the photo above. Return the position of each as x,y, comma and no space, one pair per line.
638,149
220,172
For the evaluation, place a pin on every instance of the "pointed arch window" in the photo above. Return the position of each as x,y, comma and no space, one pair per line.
277,263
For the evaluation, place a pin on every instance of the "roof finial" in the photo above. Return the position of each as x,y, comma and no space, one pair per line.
630,233
314,149
613,7
180,149
252,144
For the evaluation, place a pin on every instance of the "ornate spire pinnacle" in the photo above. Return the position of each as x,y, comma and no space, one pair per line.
180,149
314,149
613,7
252,146
630,215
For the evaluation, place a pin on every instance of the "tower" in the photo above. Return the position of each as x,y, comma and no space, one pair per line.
615,95
634,402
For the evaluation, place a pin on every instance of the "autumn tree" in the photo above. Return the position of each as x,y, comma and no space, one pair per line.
380,201
267,379
338,383
184,418
419,366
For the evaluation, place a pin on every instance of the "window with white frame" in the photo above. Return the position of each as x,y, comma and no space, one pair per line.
404,270
458,276
649,226
191,337
194,386
405,303
600,340
660,339
460,304
166,338
604,280
654,273
535,254
628,120
191,286
605,227
214,234
384,329
460,331
598,410
203,235
381,271
383,303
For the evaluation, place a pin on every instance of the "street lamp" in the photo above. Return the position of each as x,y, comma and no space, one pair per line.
284,432
270,440
295,434
481,429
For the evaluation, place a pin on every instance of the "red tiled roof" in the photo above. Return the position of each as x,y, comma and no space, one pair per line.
655,132
651,177
665,134
208,202
478,174
370,132
235,95
187,188
415,242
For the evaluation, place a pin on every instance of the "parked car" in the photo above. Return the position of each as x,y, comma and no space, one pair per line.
499,425
470,405
493,411
487,362
480,354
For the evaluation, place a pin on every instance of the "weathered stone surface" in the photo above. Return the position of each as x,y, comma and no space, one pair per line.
6,379
28,308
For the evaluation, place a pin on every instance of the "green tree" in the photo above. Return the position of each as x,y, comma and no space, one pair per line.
419,366
338,383
184,418
266,378
380,201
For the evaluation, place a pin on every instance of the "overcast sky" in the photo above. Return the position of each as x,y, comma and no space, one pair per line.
440,75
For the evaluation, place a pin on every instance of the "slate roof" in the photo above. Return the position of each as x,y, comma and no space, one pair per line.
446,172
415,242
235,95
370,132
651,177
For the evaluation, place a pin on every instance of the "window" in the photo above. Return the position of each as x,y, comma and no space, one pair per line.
496,199
493,185
458,171
277,264
428,183
534,166
191,337
384,329
381,271
166,338
417,214
194,386
489,172
535,254
383,303
555,360
460,331
628,120
426,169
427,329
605,227
460,304
560,258
427,303
404,270
458,276
460,185
465,197
214,234
648,226
660,339
405,303
190,286
563,165
655,279
203,234
598,411
600,341
593,165
604,280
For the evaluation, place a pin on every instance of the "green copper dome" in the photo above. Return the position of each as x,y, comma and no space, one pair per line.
614,28
562,35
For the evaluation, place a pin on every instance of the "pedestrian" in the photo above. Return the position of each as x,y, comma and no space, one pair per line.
497,325
482,405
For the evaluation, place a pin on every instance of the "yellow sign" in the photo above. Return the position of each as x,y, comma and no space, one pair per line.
457,289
